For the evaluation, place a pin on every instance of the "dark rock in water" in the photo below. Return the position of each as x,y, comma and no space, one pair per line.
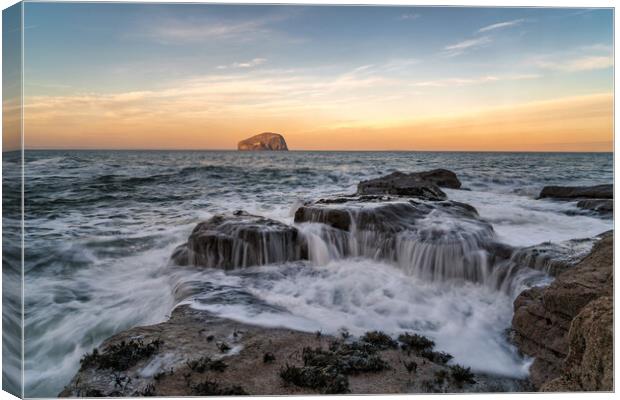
578,192
602,206
239,240
401,184
380,214
264,141
424,185
440,177
553,258
435,240
545,324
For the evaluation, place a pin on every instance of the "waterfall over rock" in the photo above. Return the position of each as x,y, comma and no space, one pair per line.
433,240
239,240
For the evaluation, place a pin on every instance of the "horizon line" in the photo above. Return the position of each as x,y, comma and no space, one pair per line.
303,150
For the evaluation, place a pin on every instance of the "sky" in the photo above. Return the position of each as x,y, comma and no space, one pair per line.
187,76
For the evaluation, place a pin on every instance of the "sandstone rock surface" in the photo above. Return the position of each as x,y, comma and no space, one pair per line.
549,325
199,354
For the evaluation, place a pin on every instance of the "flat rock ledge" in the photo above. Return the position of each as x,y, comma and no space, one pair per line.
567,325
197,354
578,192
423,185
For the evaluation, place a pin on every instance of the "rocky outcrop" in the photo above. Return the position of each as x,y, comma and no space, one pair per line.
264,141
589,363
380,214
578,192
553,258
401,184
404,232
195,353
239,240
423,185
548,323
601,206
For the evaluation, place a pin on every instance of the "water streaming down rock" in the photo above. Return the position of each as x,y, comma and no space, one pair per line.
434,241
239,240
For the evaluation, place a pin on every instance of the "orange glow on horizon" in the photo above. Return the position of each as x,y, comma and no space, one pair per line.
583,123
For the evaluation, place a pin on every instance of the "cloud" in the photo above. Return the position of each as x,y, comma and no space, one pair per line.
409,17
585,63
195,30
466,45
501,25
457,82
247,64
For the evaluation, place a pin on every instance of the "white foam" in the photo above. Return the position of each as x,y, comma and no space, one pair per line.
524,221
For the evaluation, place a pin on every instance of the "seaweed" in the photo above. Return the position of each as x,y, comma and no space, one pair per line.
411,366
148,391
423,347
203,364
379,340
223,347
325,380
438,357
121,356
268,358
415,342
441,376
462,375
213,388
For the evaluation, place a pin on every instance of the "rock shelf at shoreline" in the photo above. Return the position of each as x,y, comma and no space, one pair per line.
565,326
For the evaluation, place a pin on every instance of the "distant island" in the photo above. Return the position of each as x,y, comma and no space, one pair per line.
266,141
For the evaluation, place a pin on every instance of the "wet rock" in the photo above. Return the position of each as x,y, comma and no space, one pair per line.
553,258
239,240
440,177
264,141
436,240
544,316
601,206
401,184
578,192
183,363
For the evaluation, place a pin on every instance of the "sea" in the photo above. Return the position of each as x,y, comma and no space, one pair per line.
100,227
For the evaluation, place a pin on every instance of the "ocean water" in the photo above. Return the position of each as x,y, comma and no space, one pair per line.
101,226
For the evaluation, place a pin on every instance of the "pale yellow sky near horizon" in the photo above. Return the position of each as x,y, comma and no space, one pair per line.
578,123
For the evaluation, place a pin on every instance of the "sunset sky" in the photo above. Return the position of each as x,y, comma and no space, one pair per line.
146,76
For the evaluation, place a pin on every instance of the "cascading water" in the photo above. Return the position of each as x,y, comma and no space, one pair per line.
438,242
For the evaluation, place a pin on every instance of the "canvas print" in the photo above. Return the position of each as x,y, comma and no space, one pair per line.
229,199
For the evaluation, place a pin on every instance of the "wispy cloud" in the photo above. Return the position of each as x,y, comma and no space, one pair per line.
585,63
193,30
409,17
247,64
456,82
466,45
501,25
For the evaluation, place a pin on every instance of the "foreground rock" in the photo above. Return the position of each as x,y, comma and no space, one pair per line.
600,206
550,325
553,258
239,240
263,141
578,192
589,363
197,354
